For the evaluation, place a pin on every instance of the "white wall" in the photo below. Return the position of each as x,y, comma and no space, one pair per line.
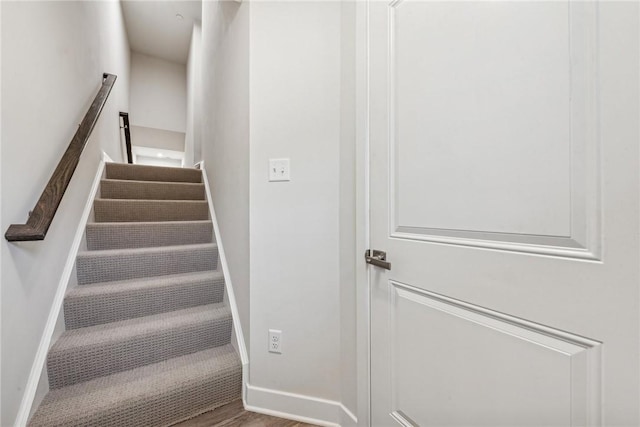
278,81
295,113
155,161
192,143
158,93
157,138
53,57
225,134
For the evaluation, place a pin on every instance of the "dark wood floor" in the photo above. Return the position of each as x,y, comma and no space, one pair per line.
234,415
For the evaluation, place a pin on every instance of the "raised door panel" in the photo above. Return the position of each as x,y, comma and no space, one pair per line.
454,364
492,139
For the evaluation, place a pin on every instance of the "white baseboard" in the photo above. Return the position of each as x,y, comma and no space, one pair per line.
347,418
45,342
298,407
237,326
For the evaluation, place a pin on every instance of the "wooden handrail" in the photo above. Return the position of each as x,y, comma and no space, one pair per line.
42,215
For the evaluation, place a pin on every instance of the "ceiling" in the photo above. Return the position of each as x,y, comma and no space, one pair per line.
153,29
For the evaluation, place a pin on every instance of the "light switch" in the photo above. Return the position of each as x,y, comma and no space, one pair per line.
279,170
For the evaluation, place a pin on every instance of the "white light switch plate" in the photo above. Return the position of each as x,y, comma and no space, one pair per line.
279,170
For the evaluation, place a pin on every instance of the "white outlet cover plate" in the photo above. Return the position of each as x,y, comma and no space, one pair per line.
279,170
275,341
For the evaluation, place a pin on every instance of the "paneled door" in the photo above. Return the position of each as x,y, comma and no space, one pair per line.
504,188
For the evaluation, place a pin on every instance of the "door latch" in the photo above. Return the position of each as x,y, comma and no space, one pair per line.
377,258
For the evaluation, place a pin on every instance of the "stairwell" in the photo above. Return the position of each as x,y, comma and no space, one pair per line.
148,334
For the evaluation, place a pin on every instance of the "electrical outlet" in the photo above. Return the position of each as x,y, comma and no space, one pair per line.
275,341
279,170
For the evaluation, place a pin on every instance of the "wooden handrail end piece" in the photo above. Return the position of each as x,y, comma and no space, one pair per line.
23,232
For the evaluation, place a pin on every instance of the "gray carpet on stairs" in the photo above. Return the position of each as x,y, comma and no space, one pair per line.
127,210
98,303
148,332
122,264
87,353
123,189
151,173
123,235
156,395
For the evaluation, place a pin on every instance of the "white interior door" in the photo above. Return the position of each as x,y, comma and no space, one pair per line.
504,184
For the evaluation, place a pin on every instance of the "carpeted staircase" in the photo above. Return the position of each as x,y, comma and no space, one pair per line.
147,340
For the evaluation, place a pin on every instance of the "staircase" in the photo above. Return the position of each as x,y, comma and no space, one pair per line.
147,340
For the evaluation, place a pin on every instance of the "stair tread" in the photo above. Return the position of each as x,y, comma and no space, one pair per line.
126,189
133,234
107,400
126,329
108,265
152,249
129,210
104,199
152,173
141,181
148,223
116,286
106,302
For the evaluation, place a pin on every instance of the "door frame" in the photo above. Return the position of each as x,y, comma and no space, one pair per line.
362,211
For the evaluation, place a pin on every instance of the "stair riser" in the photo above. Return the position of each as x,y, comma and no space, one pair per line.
156,395
115,210
164,409
152,173
208,396
80,312
150,190
96,268
103,236
80,364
